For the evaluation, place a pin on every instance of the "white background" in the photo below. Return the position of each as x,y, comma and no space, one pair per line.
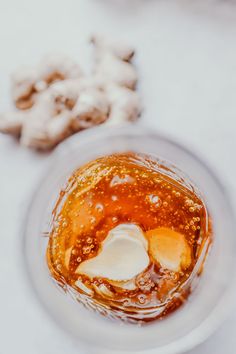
186,55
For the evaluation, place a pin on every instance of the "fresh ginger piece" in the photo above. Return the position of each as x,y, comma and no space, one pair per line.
28,83
59,100
169,248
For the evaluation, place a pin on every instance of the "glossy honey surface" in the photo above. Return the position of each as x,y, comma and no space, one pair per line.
128,189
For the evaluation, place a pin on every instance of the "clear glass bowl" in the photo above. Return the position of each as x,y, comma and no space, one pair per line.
212,298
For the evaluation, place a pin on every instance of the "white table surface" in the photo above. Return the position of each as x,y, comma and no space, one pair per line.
186,55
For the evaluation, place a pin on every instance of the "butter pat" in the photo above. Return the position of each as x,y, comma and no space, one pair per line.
123,255
169,248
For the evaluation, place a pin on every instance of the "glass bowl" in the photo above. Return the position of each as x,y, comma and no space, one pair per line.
214,294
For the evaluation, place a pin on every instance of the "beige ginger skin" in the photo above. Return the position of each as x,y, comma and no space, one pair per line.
56,99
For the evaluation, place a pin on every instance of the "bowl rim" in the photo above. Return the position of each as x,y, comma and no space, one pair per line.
200,333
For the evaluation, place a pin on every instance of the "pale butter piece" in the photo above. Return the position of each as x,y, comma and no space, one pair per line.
123,255
127,231
169,248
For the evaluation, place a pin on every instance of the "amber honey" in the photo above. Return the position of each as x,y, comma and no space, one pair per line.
107,203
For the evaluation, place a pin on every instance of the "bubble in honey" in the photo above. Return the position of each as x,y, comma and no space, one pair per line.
87,249
142,298
99,207
93,220
154,200
189,202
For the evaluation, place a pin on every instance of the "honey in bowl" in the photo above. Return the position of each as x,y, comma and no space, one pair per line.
128,237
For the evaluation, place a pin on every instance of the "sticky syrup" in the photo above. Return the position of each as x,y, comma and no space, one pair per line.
120,189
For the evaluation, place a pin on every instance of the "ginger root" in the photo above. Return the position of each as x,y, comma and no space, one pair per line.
27,83
124,103
92,108
55,99
112,63
12,122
